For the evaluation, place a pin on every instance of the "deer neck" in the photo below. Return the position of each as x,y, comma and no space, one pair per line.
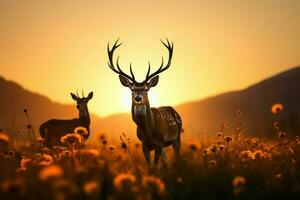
84,118
143,117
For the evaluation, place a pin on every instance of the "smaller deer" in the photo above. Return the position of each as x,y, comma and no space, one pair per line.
52,130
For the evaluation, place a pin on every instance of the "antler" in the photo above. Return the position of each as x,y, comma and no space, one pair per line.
169,46
118,70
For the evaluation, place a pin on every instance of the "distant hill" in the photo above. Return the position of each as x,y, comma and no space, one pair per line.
204,116
254,102
14,99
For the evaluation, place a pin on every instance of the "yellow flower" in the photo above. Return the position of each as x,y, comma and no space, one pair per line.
276,108
212,164
228,138
153,183
81,131
221,147
46,160
281,134
24,162
71,138
91,187
90,152
238,181
123,181
245,155
52,171
4,139
193,145
111,147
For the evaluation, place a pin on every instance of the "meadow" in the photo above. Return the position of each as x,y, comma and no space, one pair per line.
226,165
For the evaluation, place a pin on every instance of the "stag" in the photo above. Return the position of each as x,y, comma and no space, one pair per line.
156,127
52,130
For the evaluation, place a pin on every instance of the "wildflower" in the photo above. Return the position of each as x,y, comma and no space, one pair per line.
238,184
205,152
194,145
111,147
52,171
11,154
228,139
281,134
221,147
81,131
291,151
238,181
46,160
101,136
153,183
220,134
124,181
104,142
258,154
123,144
71,138
25,162
65,154
213,148
212,164
276,108
90,152
91,187
4,139
276,125
245,155
254,142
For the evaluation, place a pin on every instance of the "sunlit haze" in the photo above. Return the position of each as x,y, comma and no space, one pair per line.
55,47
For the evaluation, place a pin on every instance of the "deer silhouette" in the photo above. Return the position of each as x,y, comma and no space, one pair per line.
156,127
52,130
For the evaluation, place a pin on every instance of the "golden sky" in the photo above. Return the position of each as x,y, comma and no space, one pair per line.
54,47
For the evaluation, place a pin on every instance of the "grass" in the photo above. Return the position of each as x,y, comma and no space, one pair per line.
211,167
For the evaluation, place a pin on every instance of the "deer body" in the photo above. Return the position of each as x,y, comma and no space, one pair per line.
156,127
52,130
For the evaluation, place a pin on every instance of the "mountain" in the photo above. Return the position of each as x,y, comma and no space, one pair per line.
199,117
14,99
254,103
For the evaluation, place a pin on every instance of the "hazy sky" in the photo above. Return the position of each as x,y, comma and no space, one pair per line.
57,46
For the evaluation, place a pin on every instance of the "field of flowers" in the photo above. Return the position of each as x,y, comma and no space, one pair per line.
223,166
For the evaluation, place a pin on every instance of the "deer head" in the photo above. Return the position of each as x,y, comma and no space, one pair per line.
82,105
139,90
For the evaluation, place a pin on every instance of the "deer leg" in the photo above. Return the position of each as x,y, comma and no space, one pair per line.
176,147
158,152
146,152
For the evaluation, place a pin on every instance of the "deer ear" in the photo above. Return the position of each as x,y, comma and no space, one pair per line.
74,96
90,95
125,82
153,82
